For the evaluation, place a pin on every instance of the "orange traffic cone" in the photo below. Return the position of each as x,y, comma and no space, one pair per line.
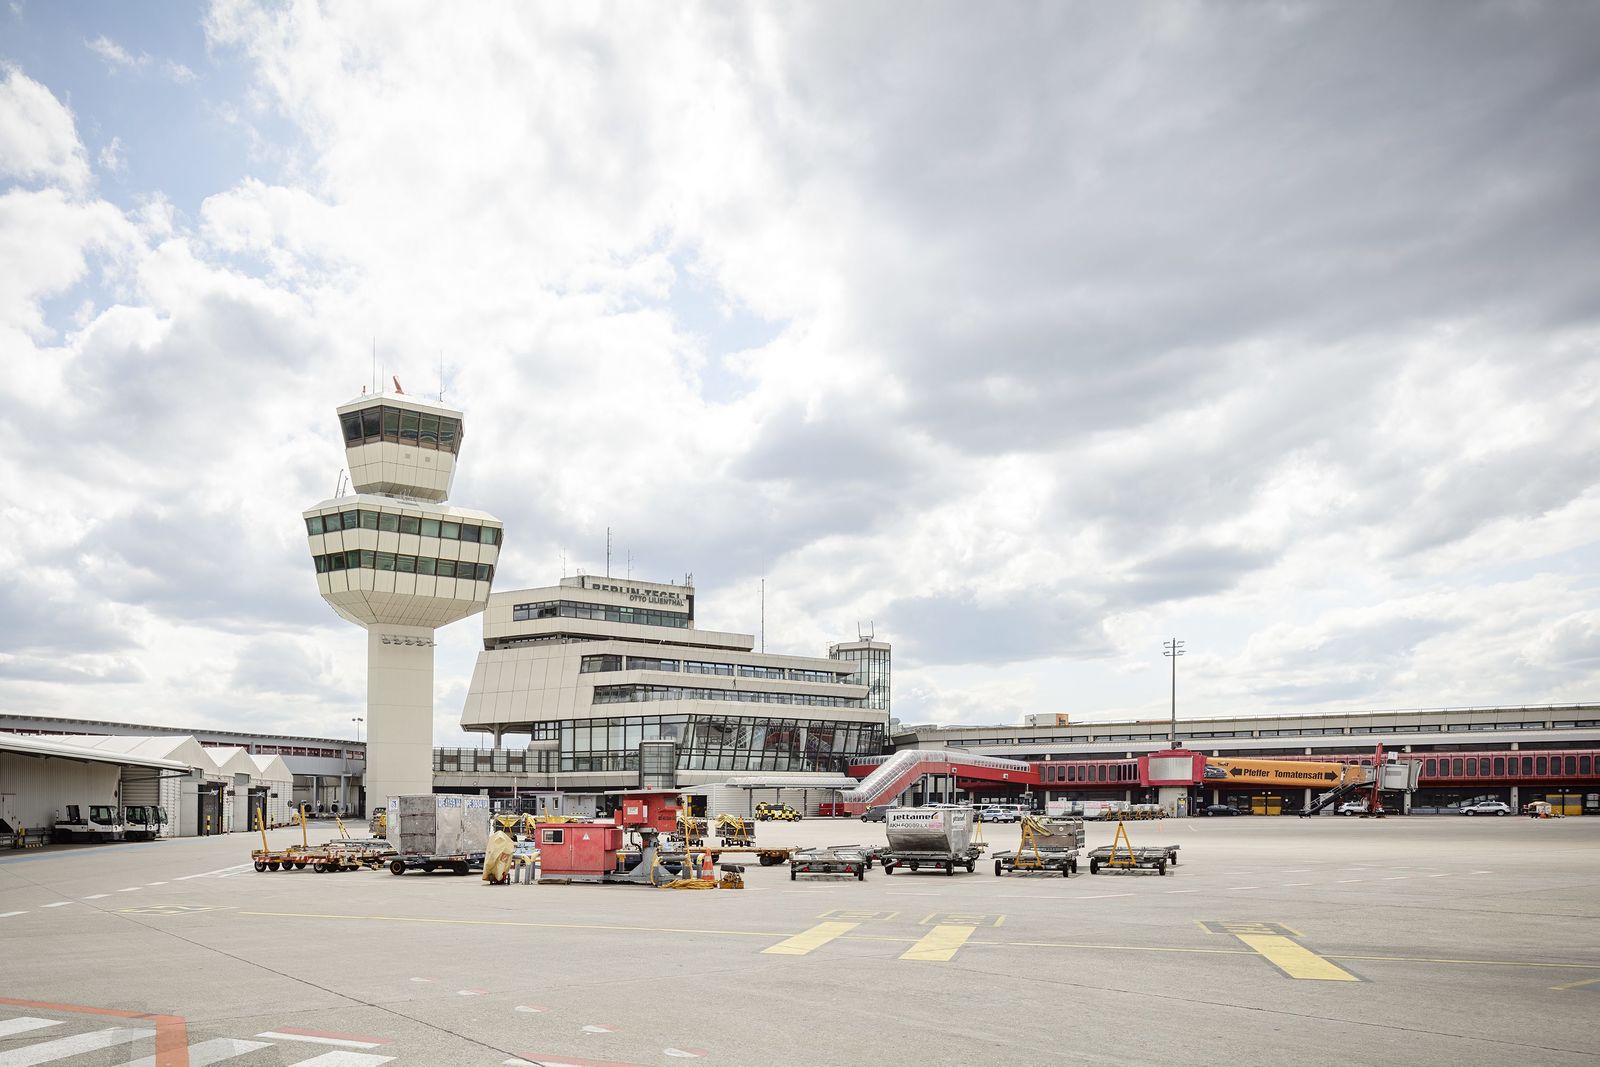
705,867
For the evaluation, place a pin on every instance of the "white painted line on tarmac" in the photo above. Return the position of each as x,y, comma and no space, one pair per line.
67,1047
96,896
319,1039
1482,872
131,889
1395,878
58,904
343,1059
1233,887
8,914
22,1024
1103,896
1446,875
150,884
207,874
208,1052
1175,892
1294,885
1347,881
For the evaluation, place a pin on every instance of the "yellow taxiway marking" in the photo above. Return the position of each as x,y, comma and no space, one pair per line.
768,934
939,944
1294,959
810,940
1574,985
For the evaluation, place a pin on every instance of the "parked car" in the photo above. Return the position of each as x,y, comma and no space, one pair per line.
1487,807
1222,809
876,813
999,815
1353,807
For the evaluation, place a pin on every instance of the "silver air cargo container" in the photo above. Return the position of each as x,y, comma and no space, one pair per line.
938,837
438,832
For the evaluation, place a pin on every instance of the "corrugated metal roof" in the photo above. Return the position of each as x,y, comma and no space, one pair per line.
33,746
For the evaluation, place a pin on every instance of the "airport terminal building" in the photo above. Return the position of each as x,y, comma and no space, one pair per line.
614,686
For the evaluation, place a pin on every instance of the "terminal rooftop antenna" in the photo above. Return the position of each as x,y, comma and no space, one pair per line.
763,614
608,551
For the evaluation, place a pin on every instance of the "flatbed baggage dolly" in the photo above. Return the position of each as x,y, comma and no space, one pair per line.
1121,856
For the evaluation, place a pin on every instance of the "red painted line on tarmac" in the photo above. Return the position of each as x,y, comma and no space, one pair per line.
172,1031
335,1037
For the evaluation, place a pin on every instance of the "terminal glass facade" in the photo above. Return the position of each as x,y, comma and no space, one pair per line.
717,744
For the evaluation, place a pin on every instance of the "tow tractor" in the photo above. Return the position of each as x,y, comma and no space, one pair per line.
144,821
102,824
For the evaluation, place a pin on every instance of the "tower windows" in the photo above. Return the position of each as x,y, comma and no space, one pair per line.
419,429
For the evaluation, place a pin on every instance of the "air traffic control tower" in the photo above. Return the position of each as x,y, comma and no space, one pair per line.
397,560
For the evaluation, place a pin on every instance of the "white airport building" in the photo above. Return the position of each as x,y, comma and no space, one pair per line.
398,561
615,687
199,789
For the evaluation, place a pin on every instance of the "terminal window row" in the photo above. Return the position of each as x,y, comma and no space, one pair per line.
388,522
360,558
1498,766
627,694
573,609
402,426
606,664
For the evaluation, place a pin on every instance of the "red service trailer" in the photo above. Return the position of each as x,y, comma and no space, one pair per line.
578,851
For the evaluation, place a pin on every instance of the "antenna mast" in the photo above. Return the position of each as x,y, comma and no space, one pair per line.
763,614
608,551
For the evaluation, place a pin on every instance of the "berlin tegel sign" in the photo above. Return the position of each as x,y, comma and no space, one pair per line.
1280,772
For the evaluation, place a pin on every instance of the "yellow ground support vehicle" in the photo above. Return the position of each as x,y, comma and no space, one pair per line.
780,812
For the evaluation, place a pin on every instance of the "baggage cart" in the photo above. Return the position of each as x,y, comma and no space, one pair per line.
1121,856
834,859
1048,846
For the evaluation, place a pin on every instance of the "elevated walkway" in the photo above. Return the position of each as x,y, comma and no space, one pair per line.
885,778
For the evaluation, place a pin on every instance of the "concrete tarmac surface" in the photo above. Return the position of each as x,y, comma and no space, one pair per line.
1425,940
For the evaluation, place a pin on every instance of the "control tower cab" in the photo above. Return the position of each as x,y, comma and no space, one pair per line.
399,562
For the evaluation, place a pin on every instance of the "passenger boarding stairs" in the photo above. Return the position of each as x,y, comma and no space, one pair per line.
897,773
1332,797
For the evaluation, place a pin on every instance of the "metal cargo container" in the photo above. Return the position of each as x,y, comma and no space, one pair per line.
431,824
946,829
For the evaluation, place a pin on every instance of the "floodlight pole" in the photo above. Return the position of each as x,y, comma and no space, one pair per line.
1173,649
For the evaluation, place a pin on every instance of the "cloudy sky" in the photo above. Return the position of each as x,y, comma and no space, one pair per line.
1031,335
